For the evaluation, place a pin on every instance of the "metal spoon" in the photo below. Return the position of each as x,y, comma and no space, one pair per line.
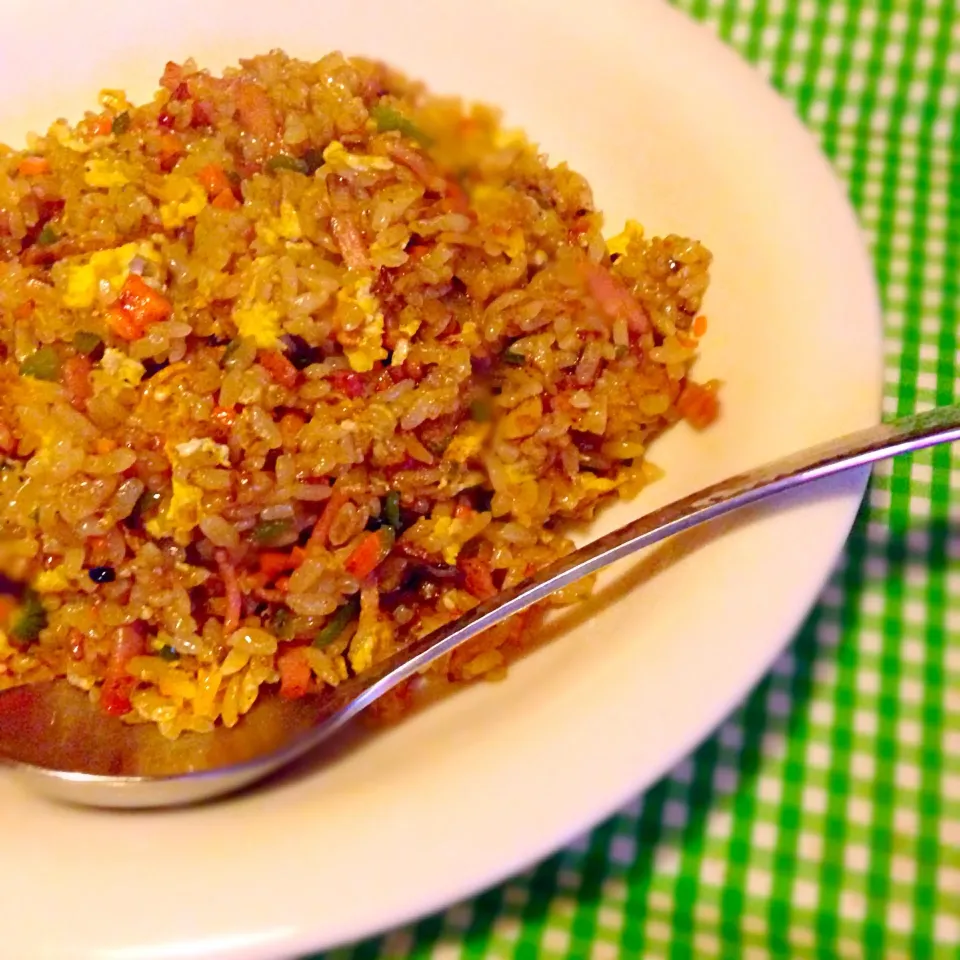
64,748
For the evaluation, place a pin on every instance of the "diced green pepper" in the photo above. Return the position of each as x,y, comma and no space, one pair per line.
31,618
391,510
121,122
341,619
266,531
480,411
388,119
513,358
283,161
43,364
47,236
85,342
168,652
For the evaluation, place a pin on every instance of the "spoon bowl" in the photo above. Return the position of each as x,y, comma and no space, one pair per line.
61,746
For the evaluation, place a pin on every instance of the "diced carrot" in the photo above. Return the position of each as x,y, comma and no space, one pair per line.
700,325
139,306
103,125
279,367
698,404
455,198
224,417
274,562
213,179
105,445
124,324
370,552
463,509
417,251
231,587
171,150
283,584
23,310
76,381
7,606
686,339
128,642
322,528
33,166
225,200
295,673
478,577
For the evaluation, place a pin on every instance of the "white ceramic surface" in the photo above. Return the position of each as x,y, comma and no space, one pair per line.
671,127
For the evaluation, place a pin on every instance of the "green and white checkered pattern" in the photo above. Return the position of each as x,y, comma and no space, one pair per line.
823,818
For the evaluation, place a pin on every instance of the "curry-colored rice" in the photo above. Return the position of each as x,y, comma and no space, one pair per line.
297,364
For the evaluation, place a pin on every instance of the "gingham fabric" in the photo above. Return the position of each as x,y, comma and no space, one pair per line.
823,818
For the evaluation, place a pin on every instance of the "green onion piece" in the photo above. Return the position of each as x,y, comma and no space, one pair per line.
44,364
147,502
47,236
267,531
31,618
388,119
283,161
513,358
168,652
121,122
480,411
341,619
391,509
280,622
621,351
85,342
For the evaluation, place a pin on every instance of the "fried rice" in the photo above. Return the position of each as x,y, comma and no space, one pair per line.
297,364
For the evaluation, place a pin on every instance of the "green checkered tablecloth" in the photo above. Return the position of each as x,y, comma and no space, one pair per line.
823,818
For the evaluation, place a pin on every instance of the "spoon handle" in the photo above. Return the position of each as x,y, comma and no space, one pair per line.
940,425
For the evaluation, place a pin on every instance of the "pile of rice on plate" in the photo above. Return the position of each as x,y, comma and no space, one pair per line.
298,364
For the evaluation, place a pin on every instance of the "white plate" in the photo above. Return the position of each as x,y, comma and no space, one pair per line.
671,127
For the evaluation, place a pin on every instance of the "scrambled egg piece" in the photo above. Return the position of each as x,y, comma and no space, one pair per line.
447,535
286,226
467,441
117,372
111,267
219,451
114,100
254,318
180,516
469,336
509,138
632,231
104,173
55,580
366,348
337,156
590,483
184,197
258,321
61,132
